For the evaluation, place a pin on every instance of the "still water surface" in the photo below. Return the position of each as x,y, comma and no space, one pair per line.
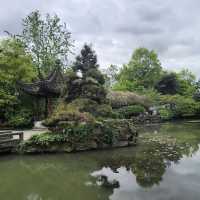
154,170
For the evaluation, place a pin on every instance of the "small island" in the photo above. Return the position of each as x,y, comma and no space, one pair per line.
83,118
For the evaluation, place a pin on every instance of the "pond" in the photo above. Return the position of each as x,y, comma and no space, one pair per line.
164,165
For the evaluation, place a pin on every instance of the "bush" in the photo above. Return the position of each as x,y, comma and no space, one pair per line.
166,114
80,110
46,139
181,106
72,136
131,111
21,119
196,96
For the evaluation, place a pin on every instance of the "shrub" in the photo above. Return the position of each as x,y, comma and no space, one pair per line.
21,119
130,111
47,139
166,114
196,96
181,106
74,111
70,136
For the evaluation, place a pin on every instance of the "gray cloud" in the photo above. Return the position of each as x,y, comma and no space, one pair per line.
117,27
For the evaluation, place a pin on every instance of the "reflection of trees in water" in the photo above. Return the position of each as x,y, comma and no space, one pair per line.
150,164
150,161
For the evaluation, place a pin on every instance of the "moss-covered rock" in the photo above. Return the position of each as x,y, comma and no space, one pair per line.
71,136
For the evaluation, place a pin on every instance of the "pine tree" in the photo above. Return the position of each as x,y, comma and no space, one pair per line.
89,81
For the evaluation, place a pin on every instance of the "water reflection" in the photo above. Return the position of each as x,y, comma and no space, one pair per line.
147,166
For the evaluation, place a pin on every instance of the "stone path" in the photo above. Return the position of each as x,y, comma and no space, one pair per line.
29,133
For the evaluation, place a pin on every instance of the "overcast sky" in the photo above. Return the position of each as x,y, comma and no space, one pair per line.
117,27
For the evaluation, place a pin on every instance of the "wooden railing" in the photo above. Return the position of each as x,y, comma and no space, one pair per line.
9,139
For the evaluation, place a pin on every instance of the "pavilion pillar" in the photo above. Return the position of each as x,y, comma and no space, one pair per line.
46,107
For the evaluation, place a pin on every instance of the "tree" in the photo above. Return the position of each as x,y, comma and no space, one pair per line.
46,39
15,65
187,83
89,81
196,95
86,64
168,84
111,75
144,69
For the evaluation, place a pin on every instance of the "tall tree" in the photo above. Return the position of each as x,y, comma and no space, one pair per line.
144,69
88,81
187,82
86,63
47,39
15,65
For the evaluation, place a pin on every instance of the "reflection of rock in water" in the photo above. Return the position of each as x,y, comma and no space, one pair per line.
106,178
107,183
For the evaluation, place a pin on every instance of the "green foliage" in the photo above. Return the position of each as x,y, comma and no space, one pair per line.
15,65
79,132
20,119
104,111
187,83
166,114
71,134
182,83
95,74
45,139
87,60
168,84
196,96
143,70
81,136
46,39
80,110
130,111
181,106
128,85
88,80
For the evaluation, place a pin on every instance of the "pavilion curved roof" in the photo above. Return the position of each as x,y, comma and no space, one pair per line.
52,86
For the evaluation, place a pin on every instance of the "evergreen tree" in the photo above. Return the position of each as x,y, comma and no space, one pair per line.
87,81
